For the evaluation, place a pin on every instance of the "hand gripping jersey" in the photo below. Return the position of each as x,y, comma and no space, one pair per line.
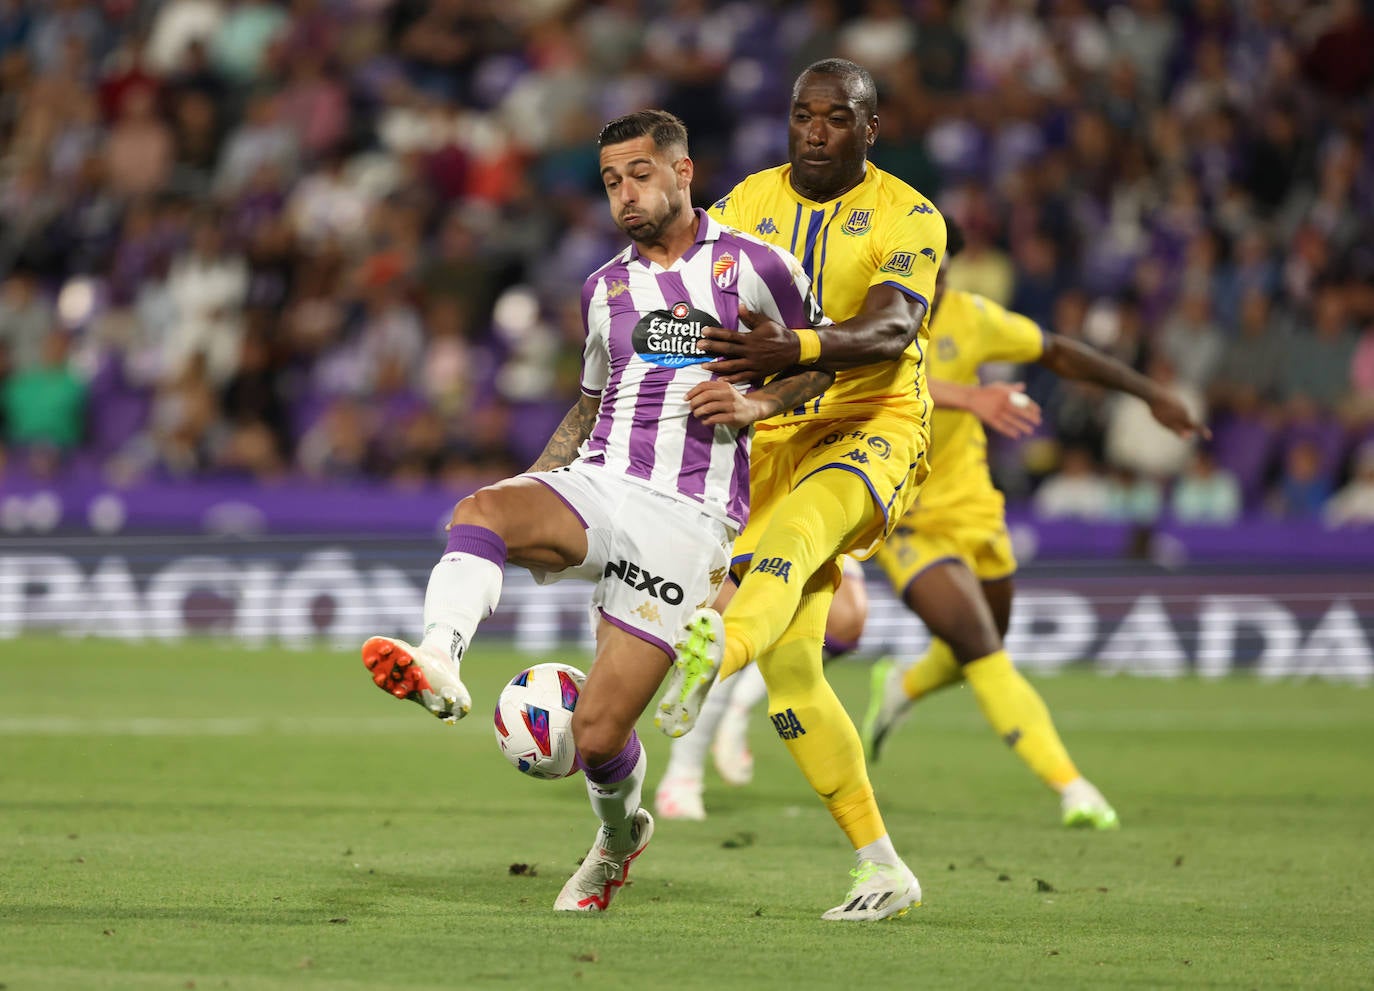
641,359
880,232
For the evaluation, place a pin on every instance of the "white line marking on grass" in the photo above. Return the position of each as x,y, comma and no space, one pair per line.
204,726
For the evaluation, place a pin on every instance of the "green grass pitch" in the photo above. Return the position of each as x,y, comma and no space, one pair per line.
179,816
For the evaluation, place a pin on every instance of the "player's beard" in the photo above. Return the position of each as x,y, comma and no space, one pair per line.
650,231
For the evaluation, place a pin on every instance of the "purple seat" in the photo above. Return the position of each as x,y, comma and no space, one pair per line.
1245,447
531,426
115,417
1328,436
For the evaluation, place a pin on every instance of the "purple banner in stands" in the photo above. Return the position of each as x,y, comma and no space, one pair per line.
227,509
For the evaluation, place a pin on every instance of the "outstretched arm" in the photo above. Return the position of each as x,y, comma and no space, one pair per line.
1075,360
716,403
1003,406
576,427
881,331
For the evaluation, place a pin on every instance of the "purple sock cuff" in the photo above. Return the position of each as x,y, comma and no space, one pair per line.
837,648
478,541
618,768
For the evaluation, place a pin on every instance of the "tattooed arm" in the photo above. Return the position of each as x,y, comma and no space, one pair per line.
718,403
575,428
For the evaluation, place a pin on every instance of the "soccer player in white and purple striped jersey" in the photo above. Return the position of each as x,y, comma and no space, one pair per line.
643,487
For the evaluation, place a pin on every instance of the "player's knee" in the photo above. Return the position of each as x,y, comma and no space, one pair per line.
482,508
598,738
971,640
848,614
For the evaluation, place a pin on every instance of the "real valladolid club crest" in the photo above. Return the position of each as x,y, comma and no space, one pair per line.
725,270
669,337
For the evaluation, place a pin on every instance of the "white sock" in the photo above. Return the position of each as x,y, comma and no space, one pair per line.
687,758
616,802
463,590
880,851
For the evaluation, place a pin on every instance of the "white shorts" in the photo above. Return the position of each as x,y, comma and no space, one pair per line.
654,559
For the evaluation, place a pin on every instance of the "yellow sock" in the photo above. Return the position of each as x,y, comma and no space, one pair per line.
1018,714
812,723
936,669
810,527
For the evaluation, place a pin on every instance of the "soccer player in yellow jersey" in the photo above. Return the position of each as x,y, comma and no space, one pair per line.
833,475
950,558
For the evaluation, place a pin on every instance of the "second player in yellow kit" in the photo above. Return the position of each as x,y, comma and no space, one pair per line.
950,559
960,513
833,475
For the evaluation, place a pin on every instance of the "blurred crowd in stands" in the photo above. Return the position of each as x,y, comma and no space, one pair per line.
343,239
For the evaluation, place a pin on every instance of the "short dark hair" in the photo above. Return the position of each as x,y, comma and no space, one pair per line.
845,69
663,127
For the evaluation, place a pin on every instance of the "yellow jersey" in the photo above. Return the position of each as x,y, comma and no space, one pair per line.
881,232
968,331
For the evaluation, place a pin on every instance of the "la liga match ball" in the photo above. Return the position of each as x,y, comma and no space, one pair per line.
533,720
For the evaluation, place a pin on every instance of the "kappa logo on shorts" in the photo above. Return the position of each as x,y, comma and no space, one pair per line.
717,576
787,725
857,456
779,566
648,612
641,581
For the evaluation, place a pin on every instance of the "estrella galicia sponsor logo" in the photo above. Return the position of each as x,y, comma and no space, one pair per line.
858,222
778,566
899,263
787,725
921,208
641,581
669,337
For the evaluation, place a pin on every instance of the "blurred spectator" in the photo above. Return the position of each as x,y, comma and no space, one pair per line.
1353,505
179,24
264,138
1250,367
25,319
1316,371
1076,492
45,403
1132,499
1303,488
1136,441
1206,495
239,45
206,288
141,148
1192,341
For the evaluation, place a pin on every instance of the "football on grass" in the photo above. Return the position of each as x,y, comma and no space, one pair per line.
534,720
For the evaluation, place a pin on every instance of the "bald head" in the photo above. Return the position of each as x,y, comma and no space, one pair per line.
855,80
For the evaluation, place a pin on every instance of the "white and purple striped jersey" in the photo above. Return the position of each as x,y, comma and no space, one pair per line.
641,359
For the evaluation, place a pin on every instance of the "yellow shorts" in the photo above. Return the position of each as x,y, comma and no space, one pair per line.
886,450
920,541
